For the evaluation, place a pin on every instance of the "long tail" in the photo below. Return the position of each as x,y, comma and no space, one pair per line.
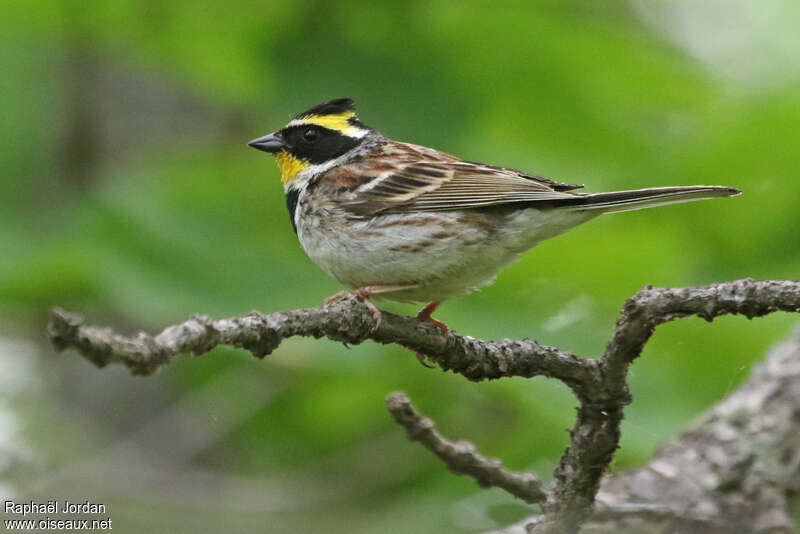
647,198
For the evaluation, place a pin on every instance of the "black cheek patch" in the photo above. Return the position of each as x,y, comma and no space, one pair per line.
329,145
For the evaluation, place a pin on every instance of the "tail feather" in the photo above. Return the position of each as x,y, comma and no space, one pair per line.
637,199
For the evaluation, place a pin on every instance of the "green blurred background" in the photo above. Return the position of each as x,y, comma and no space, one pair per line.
128,193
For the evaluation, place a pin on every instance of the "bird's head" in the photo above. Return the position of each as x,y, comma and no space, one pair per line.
314,138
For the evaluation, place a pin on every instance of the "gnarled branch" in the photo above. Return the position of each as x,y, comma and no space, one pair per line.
596,434
734,470
599,384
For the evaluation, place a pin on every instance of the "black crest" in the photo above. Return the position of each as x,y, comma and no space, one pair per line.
333,107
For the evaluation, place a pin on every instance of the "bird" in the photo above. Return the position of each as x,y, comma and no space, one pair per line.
409,223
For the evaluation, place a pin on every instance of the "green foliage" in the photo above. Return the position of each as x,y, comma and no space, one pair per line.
160,226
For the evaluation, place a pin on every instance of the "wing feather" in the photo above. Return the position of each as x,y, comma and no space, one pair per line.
415,178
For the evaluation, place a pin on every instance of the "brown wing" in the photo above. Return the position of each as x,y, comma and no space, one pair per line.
400,177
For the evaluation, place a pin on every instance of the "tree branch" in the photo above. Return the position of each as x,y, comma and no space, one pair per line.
346,320
461,457
600,385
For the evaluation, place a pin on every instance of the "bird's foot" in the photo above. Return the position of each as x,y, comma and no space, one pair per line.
363,294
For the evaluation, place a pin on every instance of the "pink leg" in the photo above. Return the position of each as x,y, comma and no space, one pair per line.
425,315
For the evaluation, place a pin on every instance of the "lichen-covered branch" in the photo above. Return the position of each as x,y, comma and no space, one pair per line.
599,384
461,457
737,465
733,471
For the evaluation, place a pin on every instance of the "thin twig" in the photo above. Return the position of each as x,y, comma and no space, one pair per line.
460,456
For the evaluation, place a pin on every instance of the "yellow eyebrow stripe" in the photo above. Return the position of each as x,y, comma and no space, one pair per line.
338,123
334,122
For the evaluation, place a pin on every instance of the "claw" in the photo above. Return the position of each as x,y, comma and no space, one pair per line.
376,313
421,358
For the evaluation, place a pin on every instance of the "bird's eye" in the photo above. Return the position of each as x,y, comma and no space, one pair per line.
310,135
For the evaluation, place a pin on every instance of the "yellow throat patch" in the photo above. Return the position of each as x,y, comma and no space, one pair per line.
289,166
